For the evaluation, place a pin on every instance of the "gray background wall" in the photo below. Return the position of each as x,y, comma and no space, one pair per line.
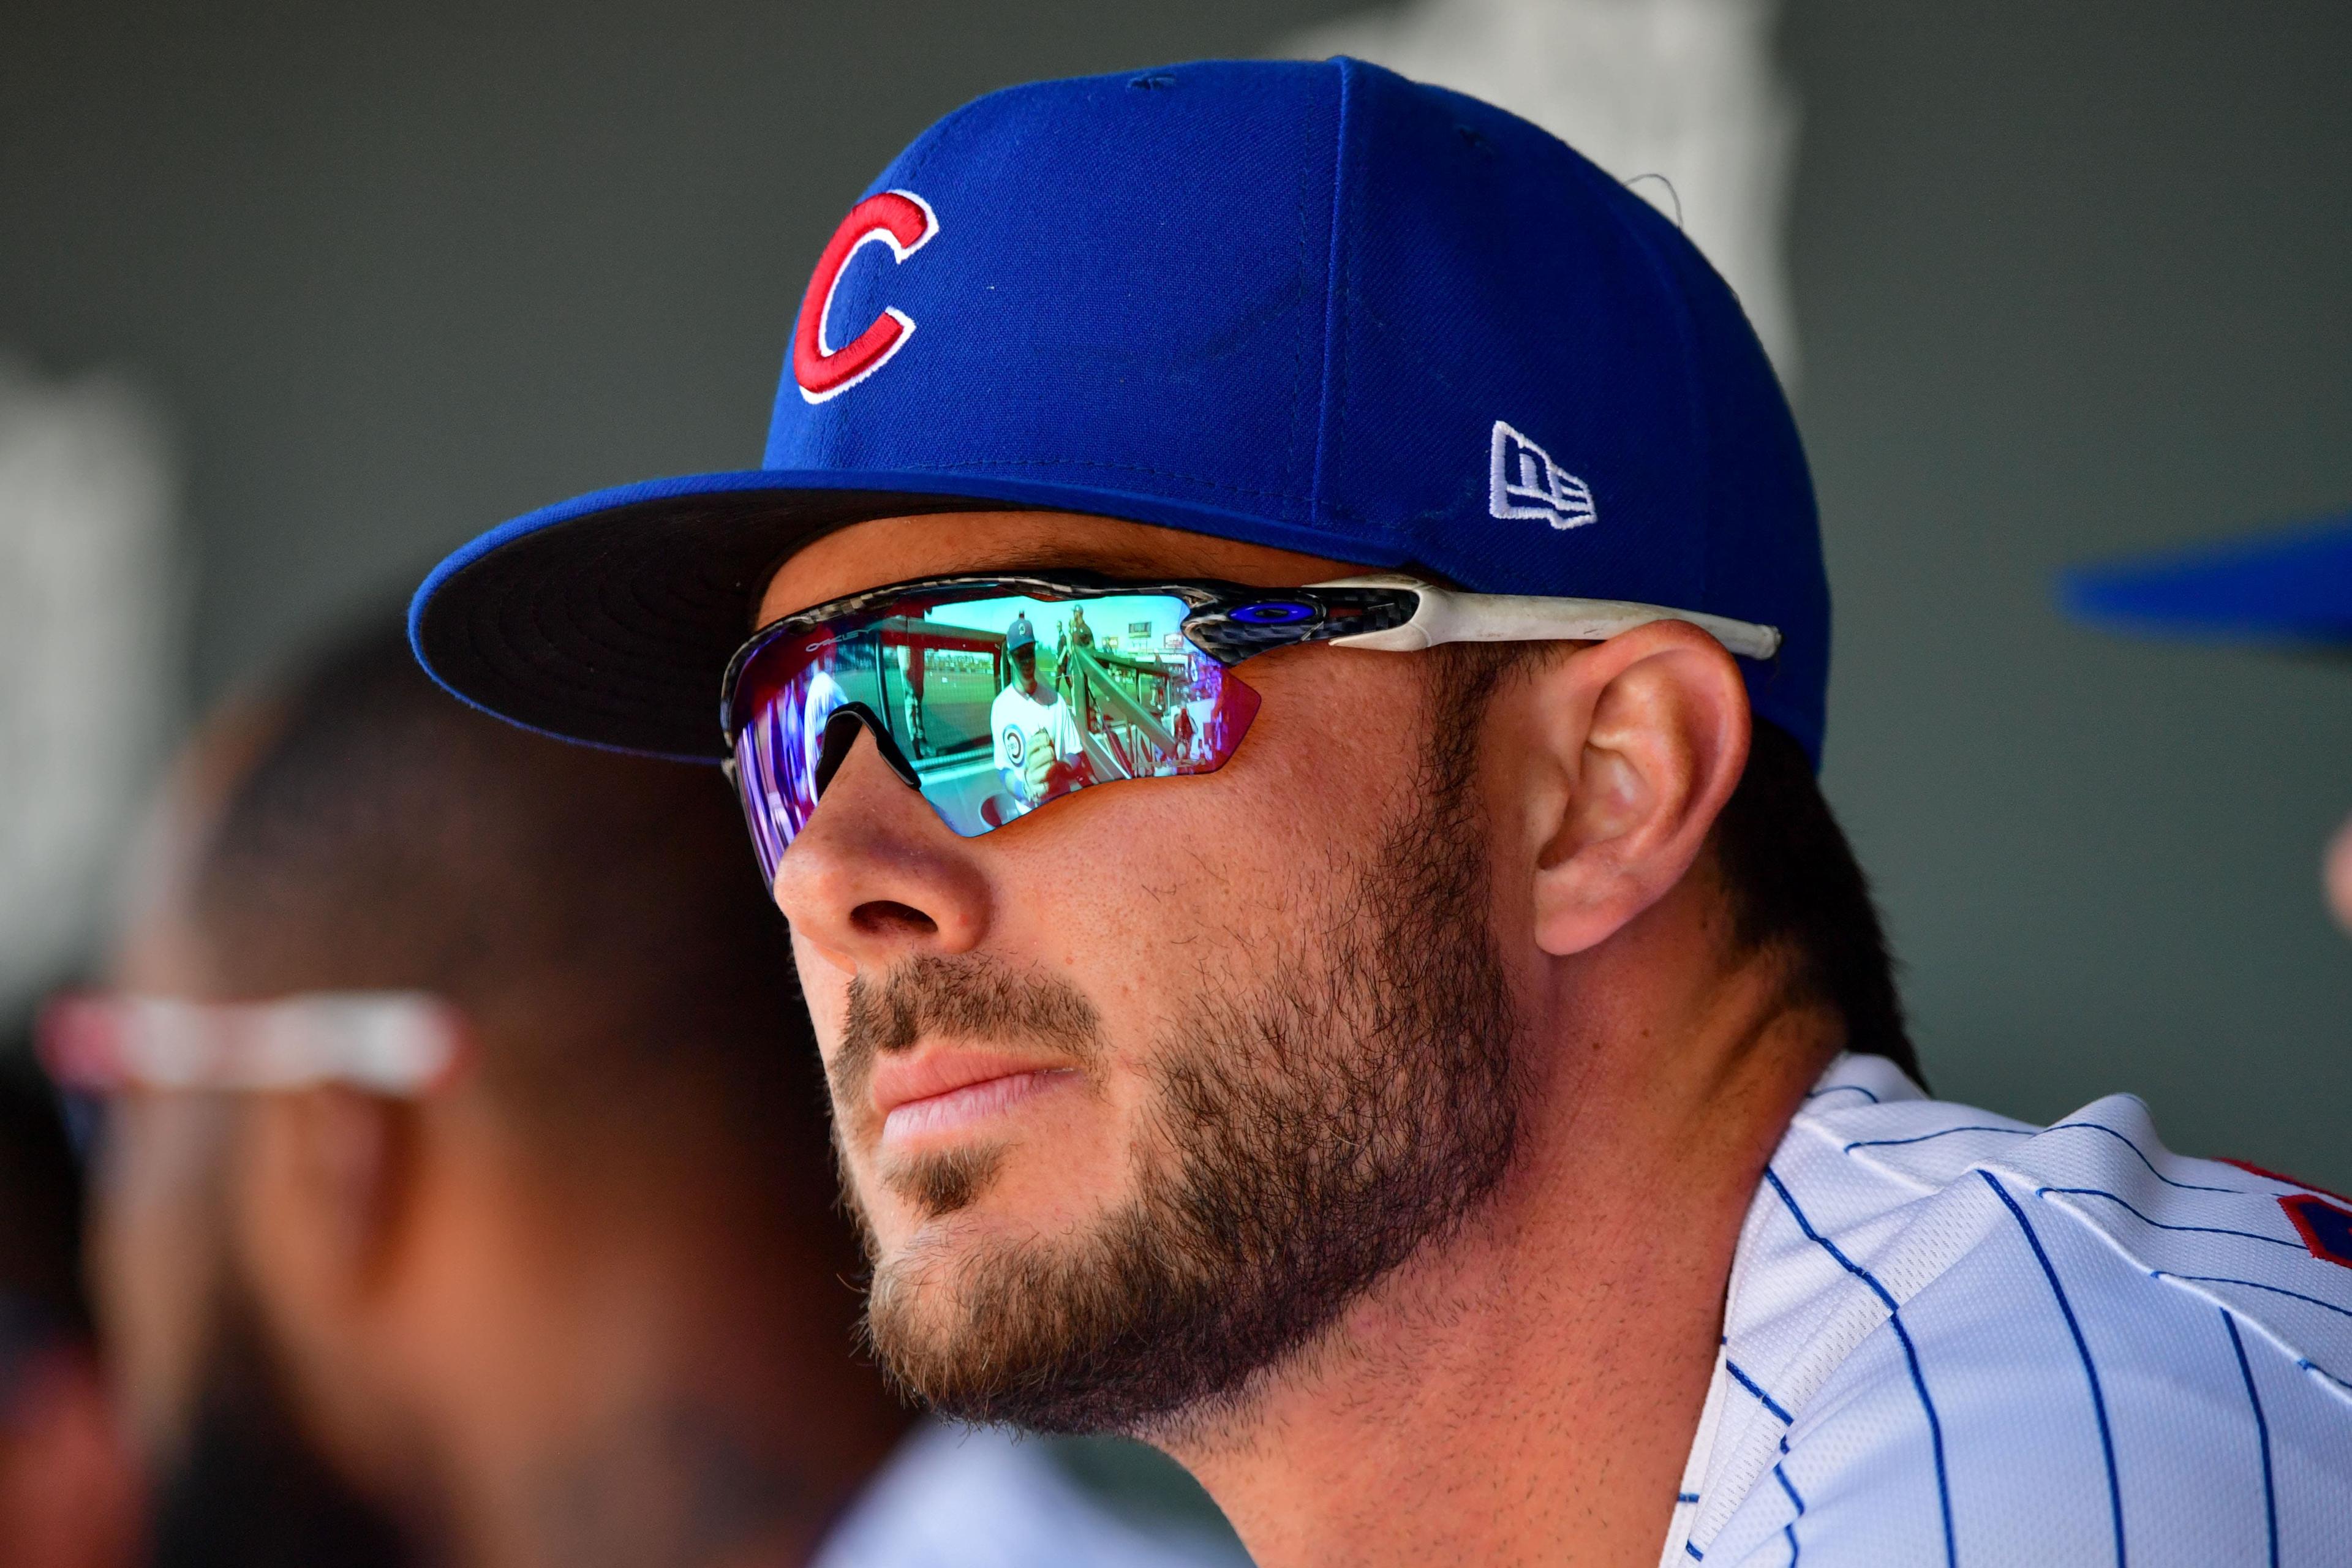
2071,279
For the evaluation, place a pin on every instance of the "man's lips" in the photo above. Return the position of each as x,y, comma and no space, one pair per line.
942,1091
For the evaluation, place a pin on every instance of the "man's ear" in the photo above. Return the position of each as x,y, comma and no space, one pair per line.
1639,741
320,1180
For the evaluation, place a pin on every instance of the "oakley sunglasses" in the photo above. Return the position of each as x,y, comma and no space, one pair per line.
991,696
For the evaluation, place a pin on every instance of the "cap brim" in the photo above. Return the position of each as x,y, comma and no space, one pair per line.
609,618
2294,585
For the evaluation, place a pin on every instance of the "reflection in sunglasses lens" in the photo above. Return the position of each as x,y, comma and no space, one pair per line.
996,705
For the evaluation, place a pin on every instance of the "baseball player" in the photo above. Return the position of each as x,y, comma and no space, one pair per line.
1039,753
1466,1113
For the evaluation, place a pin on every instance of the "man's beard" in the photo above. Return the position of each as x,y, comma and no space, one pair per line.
250,1488
1306,1137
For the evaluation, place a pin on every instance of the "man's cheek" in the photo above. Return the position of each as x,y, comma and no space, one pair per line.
866,1191
825,988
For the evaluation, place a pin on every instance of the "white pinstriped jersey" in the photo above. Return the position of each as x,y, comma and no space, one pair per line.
1955,1339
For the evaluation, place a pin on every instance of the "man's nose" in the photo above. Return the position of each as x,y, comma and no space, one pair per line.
875,877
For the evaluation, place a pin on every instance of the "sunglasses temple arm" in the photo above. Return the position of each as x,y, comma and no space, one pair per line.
1441,616
402,1044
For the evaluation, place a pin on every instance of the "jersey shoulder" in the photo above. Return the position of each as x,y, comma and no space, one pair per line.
1950,1334
2276,1253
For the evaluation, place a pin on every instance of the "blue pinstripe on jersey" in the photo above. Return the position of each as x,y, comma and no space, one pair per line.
1752,1385
2251,1285
2159,1225
2306,1362
2082,1347
2037,1132
1910,1354
2262,1432
2313,1366
1789,1530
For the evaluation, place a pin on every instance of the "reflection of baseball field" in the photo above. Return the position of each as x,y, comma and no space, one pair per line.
957,687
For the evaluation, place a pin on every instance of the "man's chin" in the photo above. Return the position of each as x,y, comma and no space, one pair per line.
936,1319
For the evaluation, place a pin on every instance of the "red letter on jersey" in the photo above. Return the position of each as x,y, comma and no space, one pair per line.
899,219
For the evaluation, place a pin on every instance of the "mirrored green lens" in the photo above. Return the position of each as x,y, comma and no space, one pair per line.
996,704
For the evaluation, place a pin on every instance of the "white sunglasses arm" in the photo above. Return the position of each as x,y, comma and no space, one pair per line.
395,1043
1443,616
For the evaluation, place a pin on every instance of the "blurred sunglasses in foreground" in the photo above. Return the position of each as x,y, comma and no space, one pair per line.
395,1043
991,696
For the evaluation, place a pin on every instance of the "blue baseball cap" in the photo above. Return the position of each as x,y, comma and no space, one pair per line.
1306,305
2290,585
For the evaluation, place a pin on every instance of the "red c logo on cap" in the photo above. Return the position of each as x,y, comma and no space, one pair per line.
899,219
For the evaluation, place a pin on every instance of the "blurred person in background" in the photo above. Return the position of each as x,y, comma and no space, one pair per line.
2290,588
465,1189
67,1499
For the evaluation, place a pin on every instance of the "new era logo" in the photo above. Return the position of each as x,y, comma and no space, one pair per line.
1523,481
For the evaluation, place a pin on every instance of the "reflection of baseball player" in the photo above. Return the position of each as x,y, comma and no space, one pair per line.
1038,751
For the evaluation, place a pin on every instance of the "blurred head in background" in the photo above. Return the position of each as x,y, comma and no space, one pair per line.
577,1296
66,1492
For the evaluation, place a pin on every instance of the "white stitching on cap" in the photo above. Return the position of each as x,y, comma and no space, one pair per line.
1522,480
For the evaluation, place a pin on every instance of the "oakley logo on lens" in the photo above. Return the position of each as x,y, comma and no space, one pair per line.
1522,481
899,219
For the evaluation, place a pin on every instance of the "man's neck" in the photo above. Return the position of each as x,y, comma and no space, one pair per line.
1528,1391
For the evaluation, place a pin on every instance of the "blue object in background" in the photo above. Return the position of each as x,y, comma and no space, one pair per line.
2290,585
